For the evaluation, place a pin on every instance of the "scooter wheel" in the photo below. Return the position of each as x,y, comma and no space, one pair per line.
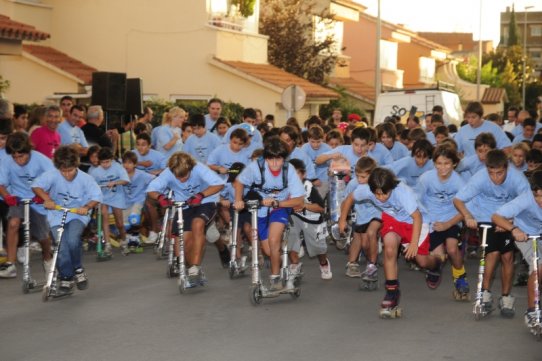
45,293
182,286
231,272
255,295
296,293
26,287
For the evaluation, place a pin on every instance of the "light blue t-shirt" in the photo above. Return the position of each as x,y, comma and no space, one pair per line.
201,178
71,134
469,166
381,154
399,150
154,156
430,136
18,179
154,135
135,191
406,170
200,148
273,186
115,196
70,194
223,156
518,129
347,152
526,213
483,197
297,153
520,138
163,135
210,123
437,196
365,209
321,170
466,135
400,205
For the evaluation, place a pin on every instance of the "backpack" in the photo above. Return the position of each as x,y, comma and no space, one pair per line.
261,166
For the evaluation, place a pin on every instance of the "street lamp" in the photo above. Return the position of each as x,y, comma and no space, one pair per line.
524,52
479,70
378,75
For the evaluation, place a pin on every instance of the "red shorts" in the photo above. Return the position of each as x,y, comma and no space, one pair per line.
404,230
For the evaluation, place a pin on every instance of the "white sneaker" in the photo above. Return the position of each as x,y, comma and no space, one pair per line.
352,270
151,239
487,299
20,255
301,252
8,270
326,271
193,271
506,304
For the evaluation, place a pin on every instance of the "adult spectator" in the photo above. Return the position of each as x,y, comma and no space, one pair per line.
95,134
37,118
66,104
518,129
214,108
70,133
168,136
475,125
512,122
46,139
336,118
146,118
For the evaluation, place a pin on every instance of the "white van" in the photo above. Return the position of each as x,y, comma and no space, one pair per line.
400,102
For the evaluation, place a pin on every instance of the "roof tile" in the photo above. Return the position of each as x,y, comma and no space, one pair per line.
278,77
61,61
354,86
11,29
494,96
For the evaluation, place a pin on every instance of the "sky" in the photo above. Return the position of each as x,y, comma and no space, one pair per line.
448,15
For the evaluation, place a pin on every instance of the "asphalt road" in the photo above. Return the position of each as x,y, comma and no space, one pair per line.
132,312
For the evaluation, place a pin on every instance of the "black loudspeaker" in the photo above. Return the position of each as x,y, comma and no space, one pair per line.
109,91
134,96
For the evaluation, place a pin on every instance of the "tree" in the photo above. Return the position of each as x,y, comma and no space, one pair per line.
292,44
512,29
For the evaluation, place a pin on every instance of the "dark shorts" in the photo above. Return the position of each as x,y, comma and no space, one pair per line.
205,211
244,218
362,228
280,215
39,227
437,238
502,242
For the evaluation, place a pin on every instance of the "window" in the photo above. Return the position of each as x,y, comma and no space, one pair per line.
427,69
388,55
536,30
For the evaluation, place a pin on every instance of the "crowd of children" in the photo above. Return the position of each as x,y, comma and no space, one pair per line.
411,191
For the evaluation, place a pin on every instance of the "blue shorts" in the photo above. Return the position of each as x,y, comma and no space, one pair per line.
280,215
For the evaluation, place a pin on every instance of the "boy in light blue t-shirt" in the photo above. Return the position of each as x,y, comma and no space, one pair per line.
111,177
68,187
522,217
409,169
135,192
17,173
485,192
279,189
201,143
198,186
